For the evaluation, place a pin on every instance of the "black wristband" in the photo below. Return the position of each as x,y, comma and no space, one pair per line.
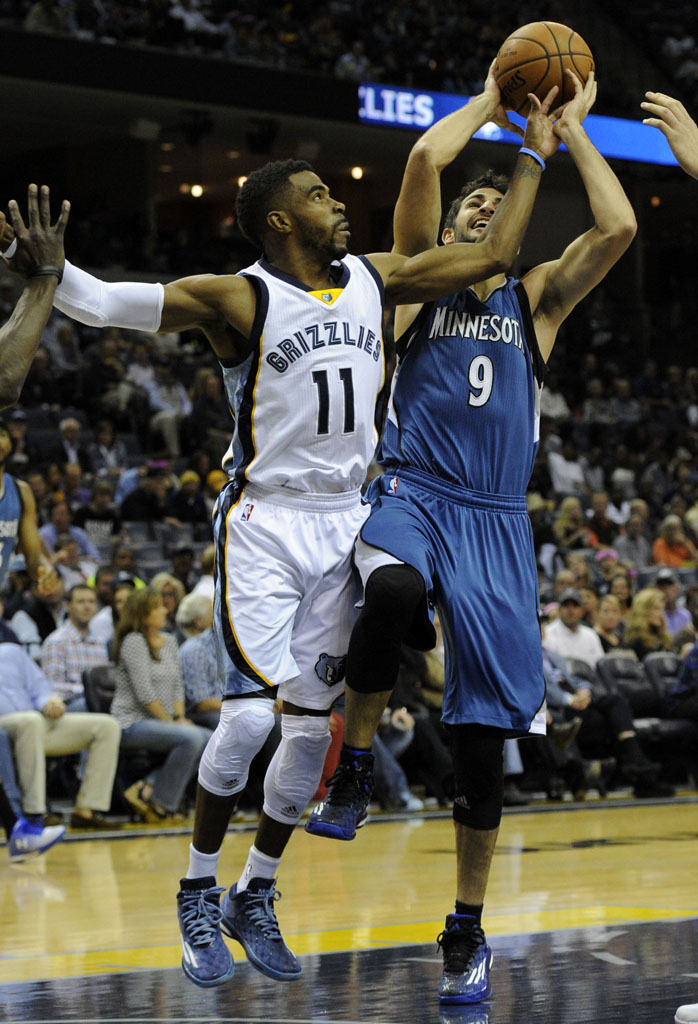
45,270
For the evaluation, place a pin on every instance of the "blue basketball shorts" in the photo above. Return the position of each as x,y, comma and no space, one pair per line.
475,552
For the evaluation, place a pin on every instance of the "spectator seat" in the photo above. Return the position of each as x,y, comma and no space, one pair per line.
99,683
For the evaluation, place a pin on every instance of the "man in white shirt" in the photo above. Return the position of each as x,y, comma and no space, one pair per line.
566,472
568,636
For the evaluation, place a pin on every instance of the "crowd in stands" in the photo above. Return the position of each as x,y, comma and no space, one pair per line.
669,35
410,44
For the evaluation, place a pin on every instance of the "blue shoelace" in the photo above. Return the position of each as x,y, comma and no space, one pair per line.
260,910
201,918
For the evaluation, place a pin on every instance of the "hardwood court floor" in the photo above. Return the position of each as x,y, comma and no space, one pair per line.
592,913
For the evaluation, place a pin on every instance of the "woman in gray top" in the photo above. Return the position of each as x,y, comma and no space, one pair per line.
149,704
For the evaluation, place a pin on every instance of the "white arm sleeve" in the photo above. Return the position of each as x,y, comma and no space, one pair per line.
133,304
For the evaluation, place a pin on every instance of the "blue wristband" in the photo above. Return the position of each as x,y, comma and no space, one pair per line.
531,152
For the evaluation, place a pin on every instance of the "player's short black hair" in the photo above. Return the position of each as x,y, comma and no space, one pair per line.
261,192
490,179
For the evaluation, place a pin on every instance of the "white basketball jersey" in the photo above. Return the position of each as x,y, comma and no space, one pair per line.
304,400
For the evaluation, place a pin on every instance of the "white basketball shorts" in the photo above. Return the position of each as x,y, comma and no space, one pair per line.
286,592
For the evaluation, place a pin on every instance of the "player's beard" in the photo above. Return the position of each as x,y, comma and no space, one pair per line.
317,240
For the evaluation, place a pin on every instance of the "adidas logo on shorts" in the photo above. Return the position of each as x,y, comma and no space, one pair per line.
290,810
462,802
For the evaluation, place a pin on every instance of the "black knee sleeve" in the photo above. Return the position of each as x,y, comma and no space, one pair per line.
479,775
393,594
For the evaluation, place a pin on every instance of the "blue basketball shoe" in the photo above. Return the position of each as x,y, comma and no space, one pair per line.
206,960
249,917
467,961
27,838
345,808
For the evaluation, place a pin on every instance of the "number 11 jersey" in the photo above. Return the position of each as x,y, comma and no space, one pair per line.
465,399
304,400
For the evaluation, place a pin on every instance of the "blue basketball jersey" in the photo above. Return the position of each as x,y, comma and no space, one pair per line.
10,516
465,397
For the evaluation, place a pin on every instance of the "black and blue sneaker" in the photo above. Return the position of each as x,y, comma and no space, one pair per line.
206,960
467,961
345,808
250,919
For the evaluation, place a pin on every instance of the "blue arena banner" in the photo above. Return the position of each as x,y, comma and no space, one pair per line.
411,108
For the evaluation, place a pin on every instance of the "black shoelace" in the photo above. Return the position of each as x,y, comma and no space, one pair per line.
460,944
347,784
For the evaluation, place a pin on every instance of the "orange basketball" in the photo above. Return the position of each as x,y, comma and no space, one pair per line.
534,59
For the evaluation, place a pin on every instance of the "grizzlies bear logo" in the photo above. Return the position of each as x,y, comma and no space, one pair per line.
331,668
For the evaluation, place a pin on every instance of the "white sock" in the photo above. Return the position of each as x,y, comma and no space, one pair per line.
201,865
258,866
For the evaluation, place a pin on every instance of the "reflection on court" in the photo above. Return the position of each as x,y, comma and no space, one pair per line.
592,914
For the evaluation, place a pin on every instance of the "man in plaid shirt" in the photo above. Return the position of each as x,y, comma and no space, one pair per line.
72,648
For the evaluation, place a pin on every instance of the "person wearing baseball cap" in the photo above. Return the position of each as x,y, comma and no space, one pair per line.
677,617
568,635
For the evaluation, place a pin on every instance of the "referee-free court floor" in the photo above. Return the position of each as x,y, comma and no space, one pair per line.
592,913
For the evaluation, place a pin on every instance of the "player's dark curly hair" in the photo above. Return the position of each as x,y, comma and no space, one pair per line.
490,179
262,191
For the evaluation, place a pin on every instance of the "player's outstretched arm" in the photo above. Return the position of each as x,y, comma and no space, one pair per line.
38,256
212,303
555,288
418,210
674,121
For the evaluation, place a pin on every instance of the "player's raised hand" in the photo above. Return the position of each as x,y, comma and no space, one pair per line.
540,135
39,243
677,125
581,103
498,114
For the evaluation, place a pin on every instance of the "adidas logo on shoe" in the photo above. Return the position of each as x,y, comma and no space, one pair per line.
188,955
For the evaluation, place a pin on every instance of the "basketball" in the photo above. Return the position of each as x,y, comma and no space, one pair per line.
534,58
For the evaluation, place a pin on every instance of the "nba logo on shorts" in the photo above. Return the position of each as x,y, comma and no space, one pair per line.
392,485
246,512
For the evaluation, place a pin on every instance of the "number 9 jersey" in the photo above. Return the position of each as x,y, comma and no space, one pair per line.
305,399
465,400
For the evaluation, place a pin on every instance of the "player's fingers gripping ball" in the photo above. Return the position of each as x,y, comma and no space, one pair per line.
536,57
